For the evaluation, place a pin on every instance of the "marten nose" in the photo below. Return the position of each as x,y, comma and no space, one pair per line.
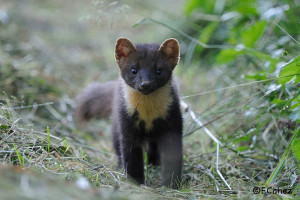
145,85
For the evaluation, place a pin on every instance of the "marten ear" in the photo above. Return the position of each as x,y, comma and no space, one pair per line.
170,49
124,48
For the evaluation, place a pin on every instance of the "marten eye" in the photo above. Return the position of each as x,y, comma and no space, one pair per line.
133,71
158,72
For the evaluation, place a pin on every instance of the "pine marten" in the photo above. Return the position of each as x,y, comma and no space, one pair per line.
145,109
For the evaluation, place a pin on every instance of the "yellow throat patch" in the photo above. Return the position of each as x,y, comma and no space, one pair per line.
149,107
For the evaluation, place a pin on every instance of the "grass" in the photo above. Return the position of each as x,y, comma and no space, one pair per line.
63,47
20,158
48,139
283,159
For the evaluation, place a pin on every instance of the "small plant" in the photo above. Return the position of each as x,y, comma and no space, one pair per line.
48,139
147,166
66,144
20,157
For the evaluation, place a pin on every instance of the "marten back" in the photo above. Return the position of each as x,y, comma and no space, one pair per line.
95,101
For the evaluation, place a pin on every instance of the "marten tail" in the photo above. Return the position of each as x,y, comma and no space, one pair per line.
95,101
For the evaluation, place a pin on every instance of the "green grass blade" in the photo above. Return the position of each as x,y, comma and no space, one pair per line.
147,166
20,158
284,157
48,138
295,189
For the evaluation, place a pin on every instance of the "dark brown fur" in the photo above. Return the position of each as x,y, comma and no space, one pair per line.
145,110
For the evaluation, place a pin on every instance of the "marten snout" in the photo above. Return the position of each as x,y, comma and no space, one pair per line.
145,87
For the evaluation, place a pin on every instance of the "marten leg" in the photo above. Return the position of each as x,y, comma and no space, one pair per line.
153,154
170,148
116,145
132,161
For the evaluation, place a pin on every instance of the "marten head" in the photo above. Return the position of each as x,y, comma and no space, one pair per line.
146,67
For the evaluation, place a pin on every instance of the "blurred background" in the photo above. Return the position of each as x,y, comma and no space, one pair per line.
233,74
